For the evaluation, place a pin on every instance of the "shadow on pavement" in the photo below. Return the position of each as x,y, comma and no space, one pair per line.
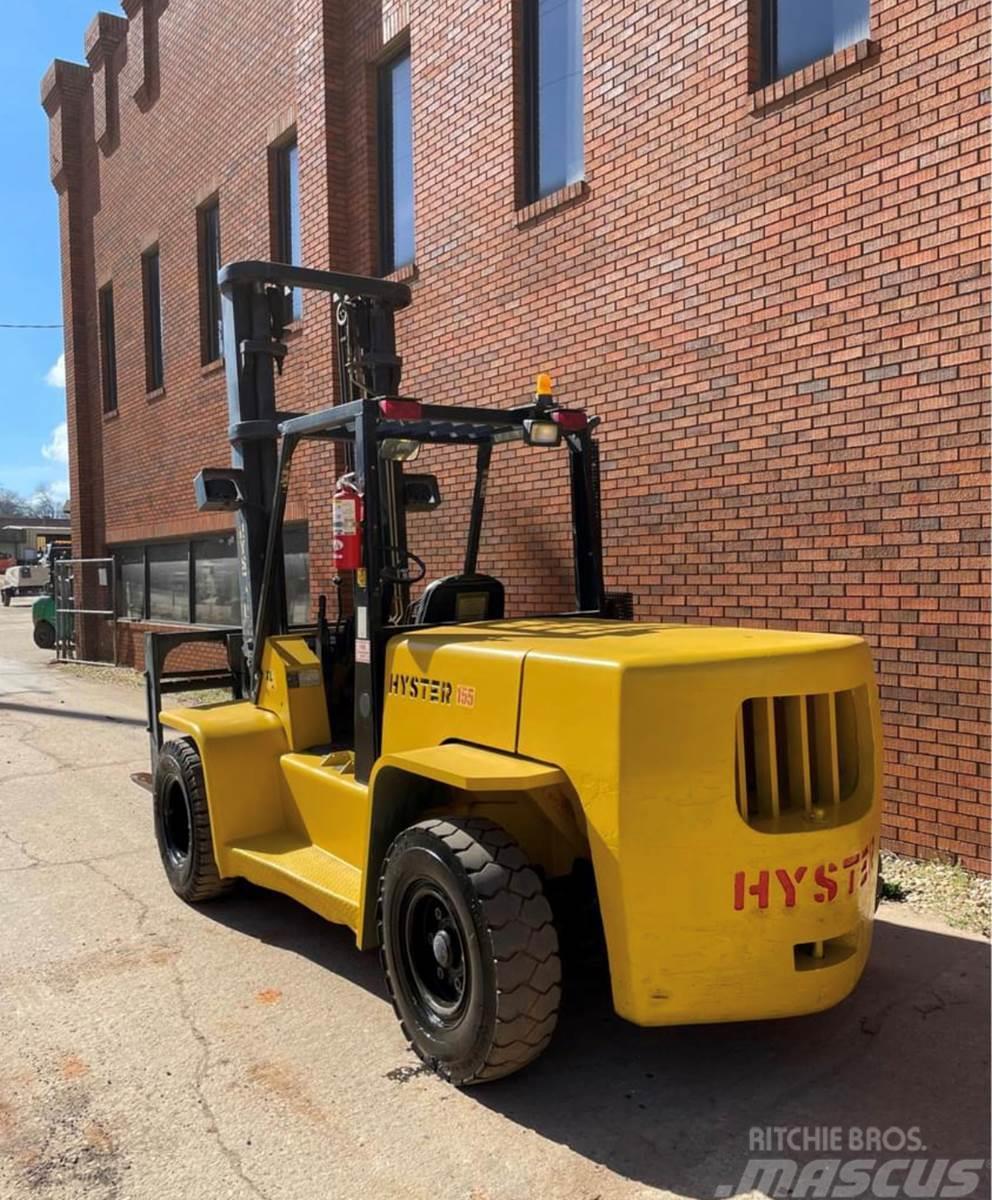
672,1108
73,714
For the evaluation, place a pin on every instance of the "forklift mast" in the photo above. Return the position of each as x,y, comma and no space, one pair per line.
254,489
253,307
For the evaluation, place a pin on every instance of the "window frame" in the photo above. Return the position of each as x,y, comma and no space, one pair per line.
529,34
108,347
208,253
386,162
153,320
530,107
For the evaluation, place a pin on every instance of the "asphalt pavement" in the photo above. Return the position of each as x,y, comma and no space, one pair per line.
150,1051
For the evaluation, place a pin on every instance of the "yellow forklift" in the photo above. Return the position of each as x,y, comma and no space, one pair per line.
424,768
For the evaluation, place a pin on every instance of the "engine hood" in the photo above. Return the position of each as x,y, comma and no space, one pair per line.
466,682
628,643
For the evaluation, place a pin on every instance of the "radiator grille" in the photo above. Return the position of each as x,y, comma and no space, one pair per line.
796,754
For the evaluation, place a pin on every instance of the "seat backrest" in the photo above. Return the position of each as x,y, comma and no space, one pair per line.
460,598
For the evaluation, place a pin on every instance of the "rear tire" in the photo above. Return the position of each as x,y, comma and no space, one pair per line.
44,635
182,824
469,949
5,597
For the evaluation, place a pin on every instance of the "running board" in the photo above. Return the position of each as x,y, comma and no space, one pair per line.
286,863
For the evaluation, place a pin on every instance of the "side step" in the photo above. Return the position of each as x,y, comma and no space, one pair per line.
286,863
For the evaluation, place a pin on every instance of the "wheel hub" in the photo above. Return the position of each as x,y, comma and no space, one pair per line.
434,952
441,946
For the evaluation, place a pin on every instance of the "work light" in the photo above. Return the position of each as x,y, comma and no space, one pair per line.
541,433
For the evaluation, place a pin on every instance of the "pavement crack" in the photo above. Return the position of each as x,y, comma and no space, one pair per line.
118,886
21,847
200,1074
47,863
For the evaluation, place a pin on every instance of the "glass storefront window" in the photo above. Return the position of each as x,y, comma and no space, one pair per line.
217,600
131,601
168,582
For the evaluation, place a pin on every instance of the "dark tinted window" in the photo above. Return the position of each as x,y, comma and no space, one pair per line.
108,348
152,288
799,32
208,237
396,164
553,100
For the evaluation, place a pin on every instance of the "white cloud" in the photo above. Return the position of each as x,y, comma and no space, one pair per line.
60,489
55,375
56,449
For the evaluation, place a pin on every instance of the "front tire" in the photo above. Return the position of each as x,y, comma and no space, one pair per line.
5,597
44,635
469,949
182,824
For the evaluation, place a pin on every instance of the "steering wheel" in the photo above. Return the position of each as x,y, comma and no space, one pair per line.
404,574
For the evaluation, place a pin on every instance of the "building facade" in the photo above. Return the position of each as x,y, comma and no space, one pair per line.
750,236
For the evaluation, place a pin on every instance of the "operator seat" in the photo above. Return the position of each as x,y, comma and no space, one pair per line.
460,598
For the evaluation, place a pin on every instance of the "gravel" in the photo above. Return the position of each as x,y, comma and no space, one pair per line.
941,889
127,677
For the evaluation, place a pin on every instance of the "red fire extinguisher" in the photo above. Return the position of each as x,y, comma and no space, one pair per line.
346,525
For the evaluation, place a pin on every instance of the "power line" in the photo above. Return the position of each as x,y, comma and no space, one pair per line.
5,326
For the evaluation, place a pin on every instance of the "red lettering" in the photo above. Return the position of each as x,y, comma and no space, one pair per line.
759,889
788,886
824,881
851,861
866,858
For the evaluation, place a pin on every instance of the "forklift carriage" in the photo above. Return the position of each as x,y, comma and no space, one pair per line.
423,770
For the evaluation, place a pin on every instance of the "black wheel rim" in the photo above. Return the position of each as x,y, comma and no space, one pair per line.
434,957
176,824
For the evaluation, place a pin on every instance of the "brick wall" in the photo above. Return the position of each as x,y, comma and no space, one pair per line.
775,299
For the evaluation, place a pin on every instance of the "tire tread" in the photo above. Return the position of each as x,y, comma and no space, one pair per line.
206,882
519,920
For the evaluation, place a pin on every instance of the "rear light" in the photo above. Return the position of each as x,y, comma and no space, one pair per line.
569,420
400,410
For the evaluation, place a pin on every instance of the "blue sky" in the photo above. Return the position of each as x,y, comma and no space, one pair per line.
32,404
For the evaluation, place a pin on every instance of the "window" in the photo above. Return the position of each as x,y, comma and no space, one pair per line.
284,168
131,566
168,582
208,247
799,32
296,556
395,164
216,595
108,348
196,582
152,292
552,65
